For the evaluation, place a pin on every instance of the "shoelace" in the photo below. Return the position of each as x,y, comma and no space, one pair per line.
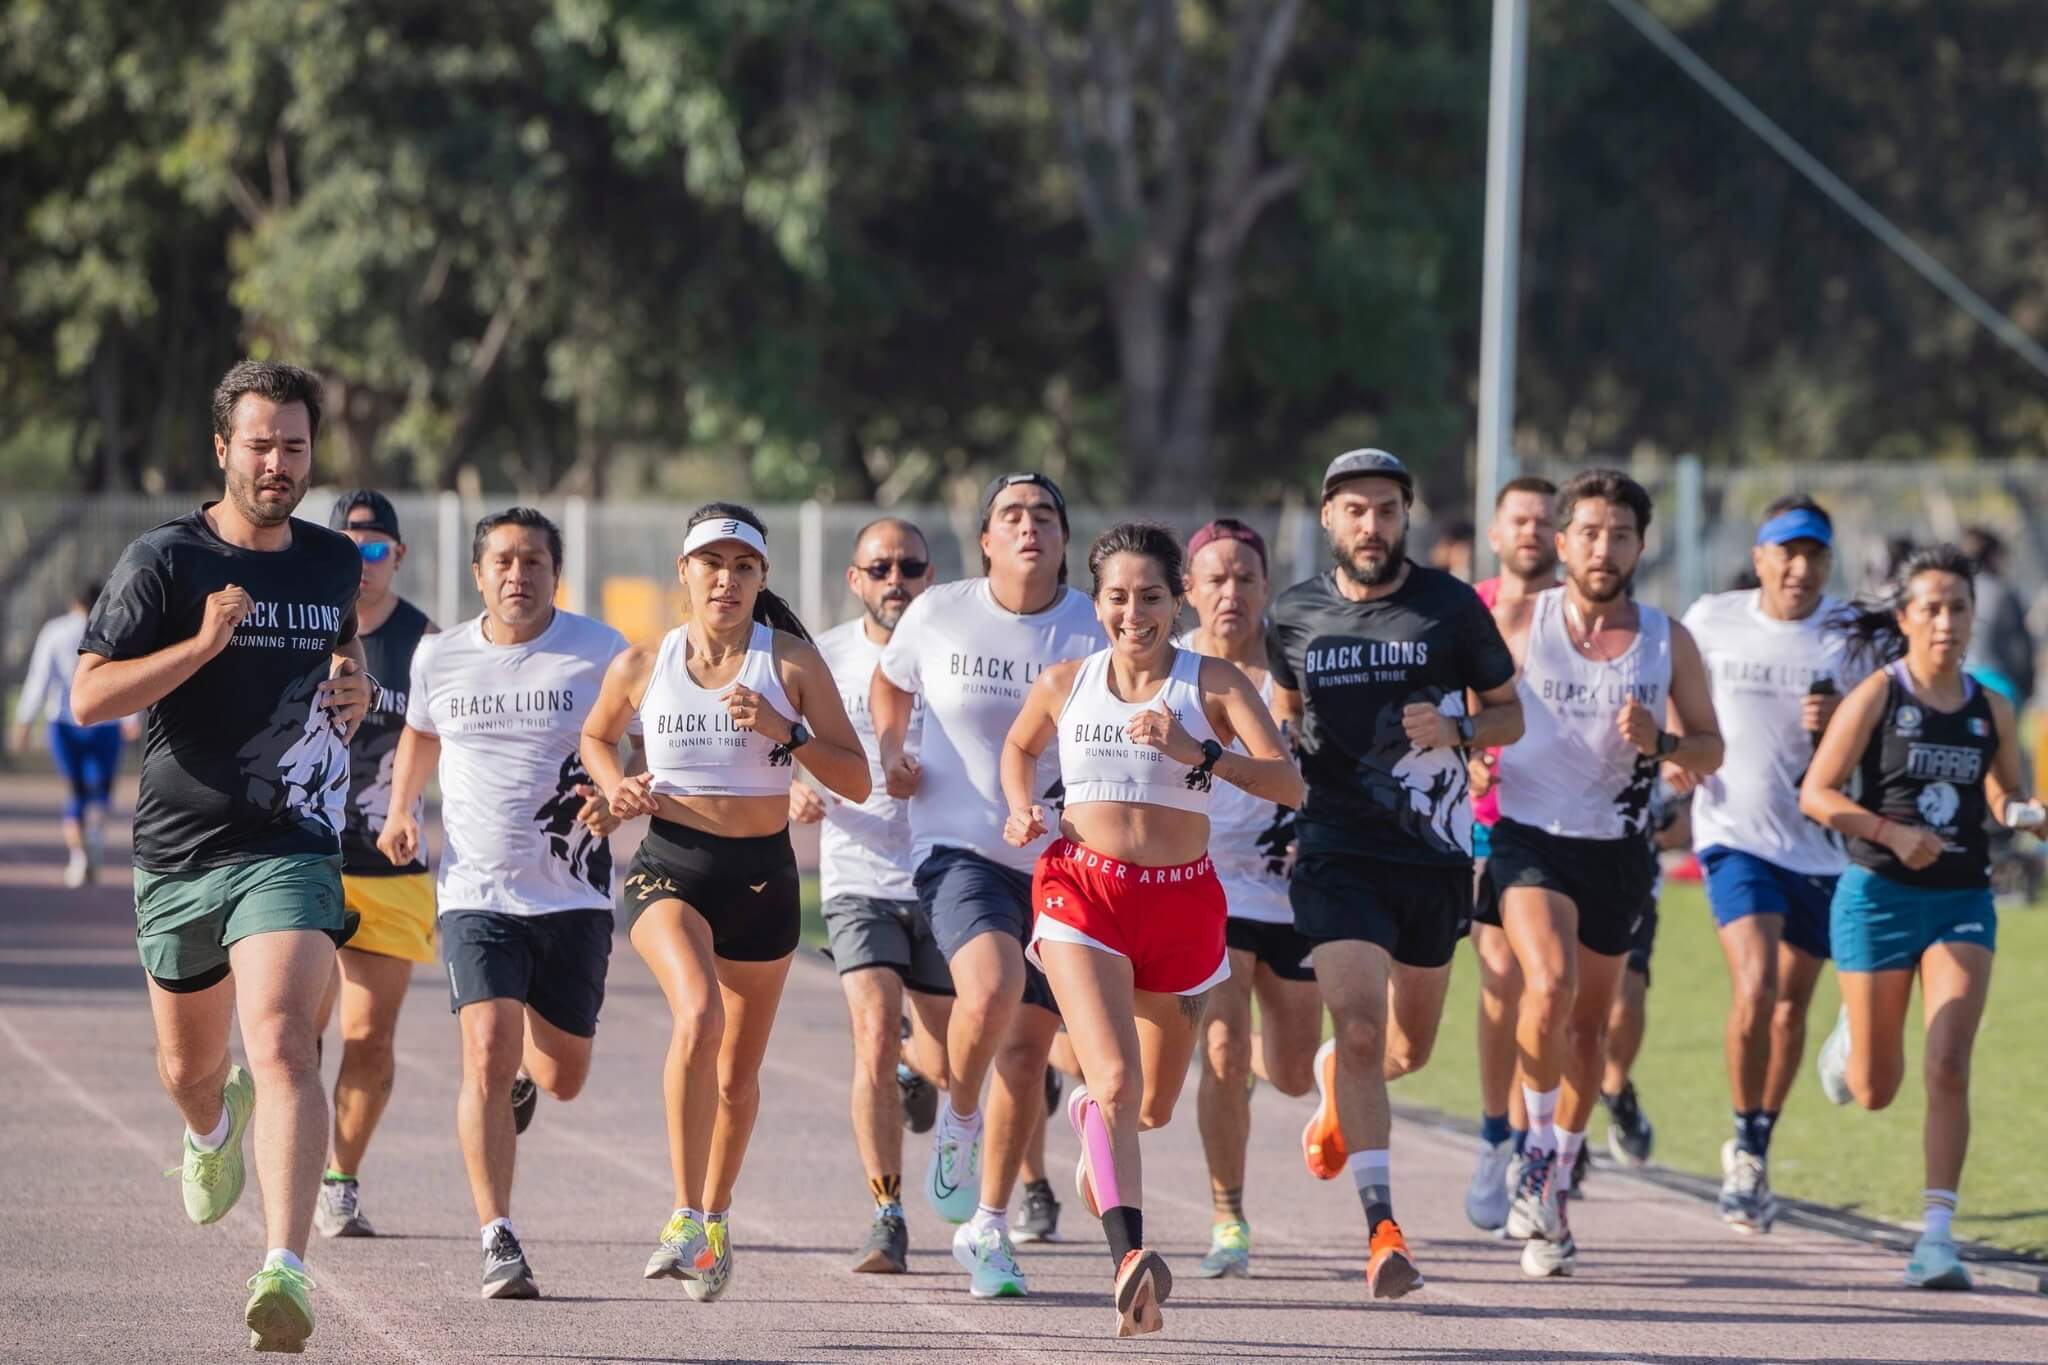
998,1252
206,1166
283,1272
505,1247
1536,1173
1749,1173
344,1196
681,1231
715,1234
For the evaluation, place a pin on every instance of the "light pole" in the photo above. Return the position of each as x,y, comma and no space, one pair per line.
1495,461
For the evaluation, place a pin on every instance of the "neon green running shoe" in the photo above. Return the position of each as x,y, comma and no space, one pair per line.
1230,1251
213,1180
279,1315
711,1283
685,1251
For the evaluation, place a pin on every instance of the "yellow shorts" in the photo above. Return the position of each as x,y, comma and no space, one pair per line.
397,913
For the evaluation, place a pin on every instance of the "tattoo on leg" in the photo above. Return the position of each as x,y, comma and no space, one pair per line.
1192,1006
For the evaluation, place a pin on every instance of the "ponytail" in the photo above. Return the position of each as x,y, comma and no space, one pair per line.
1872,624
769,607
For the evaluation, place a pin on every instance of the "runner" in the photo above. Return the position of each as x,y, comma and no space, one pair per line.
496,705
87,756
1524,540
235,626
712,903
1249,839
1373,661
1937,754
971,650
881,938
1776,656
1131,948
1571,861
395,904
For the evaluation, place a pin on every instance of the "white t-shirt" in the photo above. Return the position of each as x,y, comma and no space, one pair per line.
973,662
1760,670
1248,840
510,718
864,850
46,691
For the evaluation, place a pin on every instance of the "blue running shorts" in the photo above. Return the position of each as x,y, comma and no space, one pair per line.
1741,884
1881,925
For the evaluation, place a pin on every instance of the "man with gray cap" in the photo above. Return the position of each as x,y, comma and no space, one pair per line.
1390,672
396,903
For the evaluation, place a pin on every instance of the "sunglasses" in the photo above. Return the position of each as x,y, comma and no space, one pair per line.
376,551
912,568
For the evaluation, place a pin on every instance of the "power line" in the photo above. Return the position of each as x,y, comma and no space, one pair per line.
1830,184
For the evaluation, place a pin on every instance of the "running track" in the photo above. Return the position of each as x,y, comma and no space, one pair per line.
100,1264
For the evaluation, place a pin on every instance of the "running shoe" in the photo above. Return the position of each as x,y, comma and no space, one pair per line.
985,1254
1041,1218
1052,1090
952,1178
525,1095
1746,1202
1536,1208
888,1246
213,1180
78,871
1582,1165
340,1210
1322,1141
1833,1062
1936,1265
1546,1258
1389,1270
684,1253
1142,1284
280,1316
920,1099
1486,1199
1077,1104
506,1273
1629,1131
713,1282
1230,1252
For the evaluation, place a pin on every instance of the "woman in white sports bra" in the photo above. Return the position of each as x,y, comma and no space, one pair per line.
1129,924
729,703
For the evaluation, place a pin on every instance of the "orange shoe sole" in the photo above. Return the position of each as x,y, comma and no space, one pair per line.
1322,1140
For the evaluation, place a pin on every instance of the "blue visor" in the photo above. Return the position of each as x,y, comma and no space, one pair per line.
1799,523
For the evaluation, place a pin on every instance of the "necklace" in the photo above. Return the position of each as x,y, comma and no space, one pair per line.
1581,635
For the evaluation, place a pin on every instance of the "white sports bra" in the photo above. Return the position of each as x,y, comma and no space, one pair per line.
693,747
1097,762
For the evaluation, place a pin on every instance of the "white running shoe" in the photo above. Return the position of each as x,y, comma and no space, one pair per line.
78,871
985,1254
1937,1265
1487,1198
1746,1203
1537,1209
340,1210
1833,1062
952,1178
711,1283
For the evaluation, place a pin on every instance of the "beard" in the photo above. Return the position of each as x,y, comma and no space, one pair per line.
1624,585
1376,575
243,491
1532,565
887,610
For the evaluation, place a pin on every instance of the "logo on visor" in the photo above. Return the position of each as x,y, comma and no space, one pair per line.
730,528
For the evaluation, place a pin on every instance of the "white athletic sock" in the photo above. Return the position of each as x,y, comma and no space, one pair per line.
1568,1146
491,1228
719,1217
1940,1214
215,1140
957,1125
1542,1105
692,1214
986,1217
1370,1168
282,1256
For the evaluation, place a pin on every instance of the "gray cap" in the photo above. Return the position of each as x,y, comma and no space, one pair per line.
1368,464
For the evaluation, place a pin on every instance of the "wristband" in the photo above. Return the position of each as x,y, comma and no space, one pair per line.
1666,743
1877,835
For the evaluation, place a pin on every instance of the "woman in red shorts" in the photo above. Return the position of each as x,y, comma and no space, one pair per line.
1129,914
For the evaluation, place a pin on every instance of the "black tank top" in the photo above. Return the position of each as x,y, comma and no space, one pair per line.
1926,767
374,750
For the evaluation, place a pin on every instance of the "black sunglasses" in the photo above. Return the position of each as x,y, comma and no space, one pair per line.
912,568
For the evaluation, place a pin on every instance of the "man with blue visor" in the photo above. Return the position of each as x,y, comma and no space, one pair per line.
1776,659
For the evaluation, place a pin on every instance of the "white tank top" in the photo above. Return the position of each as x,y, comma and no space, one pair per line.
1098,763
1248,839
693,747
1572,773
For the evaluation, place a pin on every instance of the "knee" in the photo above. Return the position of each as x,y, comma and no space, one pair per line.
566,1083
489,1061
1408,1055
1876,1086
1585,1037
1548,1000
1788,1018
739,1092
281,1047
1292,1076
876,1047
371,1045
1948,1073
1756,999
1156,1110
697,1033
1228,1054
1359,1037
186,1073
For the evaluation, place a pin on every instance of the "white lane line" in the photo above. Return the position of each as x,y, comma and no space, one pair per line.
349,1299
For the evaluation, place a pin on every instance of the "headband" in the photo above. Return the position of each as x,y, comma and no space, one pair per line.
725,528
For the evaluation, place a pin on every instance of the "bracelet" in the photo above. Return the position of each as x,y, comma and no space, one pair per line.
1878,833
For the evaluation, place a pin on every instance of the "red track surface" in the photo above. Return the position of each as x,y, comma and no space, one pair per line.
100,1264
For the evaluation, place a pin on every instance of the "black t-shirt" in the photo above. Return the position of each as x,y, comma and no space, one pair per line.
374,750
237,764
1926,767
1357,664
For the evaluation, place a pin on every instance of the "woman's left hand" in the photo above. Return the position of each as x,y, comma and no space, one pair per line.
750,711
1157,728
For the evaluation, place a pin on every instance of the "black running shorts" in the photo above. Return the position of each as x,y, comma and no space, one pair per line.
747,889
1417,912
1280,947
554,964
1610,881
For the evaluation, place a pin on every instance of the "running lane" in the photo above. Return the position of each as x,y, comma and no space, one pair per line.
102,1265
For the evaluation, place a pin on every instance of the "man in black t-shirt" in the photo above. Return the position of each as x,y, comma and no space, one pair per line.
235,626
1373,662
394,903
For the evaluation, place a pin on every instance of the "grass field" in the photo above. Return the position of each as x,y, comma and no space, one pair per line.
1844,1157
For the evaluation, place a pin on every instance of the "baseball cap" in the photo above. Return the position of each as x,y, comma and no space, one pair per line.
1002,481
383,516
1368,464
1227,528
1796,523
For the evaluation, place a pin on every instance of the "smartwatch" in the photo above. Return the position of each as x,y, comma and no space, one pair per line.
1211,751
1666,742
1465,729
798,737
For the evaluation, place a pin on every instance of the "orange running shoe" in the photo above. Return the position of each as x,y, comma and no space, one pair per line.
1322,1142
1142,1285
1389,1270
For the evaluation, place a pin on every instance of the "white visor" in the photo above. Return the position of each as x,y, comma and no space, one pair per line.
725,528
